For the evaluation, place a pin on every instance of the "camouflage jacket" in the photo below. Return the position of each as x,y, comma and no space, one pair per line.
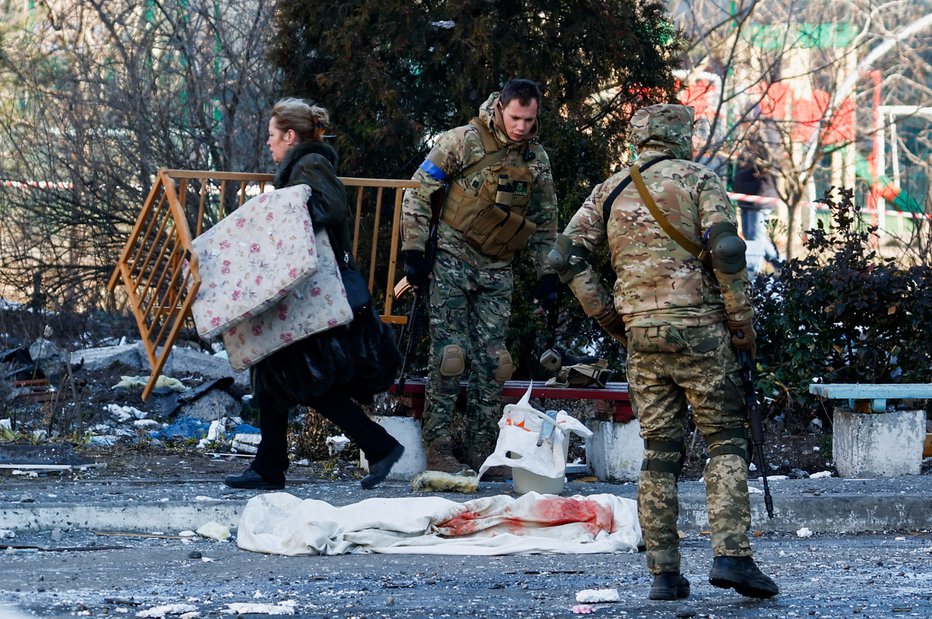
454,151
659,282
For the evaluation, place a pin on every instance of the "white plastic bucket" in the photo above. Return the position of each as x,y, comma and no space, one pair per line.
524,481
535,467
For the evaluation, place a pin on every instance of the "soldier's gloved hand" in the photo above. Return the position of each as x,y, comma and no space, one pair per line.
613,324
416,268
743,337
545,293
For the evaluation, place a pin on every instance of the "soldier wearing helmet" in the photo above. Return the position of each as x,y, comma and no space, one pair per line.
682,318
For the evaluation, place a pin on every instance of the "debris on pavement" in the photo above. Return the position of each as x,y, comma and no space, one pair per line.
160,612
336,444
583,609
246,442
595,596
184,428
39,458
138,534
124,413
438,481
214,530
139,382
248,608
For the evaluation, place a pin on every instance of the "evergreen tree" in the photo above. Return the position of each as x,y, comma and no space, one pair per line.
395,73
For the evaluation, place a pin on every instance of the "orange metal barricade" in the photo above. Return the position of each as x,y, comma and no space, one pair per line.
160,272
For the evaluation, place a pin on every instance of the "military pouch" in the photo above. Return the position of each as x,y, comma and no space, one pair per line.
665,339
700,340
491,229
493,220
507,237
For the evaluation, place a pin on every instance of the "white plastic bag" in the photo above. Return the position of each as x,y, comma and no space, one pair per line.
519,431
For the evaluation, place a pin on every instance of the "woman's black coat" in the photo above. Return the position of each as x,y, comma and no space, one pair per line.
362,356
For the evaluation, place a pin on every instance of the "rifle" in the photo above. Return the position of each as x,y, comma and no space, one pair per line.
416,314
757,423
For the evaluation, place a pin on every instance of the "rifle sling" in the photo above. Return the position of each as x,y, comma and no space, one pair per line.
607,204
692,247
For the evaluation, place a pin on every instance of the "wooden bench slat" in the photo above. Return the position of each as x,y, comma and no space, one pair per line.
415,389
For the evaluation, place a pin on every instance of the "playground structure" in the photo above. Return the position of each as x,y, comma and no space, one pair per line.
887,189
815,125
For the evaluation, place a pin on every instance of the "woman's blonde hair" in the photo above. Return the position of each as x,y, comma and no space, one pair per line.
307,120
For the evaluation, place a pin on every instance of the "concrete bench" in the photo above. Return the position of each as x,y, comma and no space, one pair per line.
875,395
867,439
613,453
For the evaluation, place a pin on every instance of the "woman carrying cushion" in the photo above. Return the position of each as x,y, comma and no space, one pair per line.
321,371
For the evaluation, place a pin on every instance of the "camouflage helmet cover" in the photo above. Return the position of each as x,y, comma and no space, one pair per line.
665,125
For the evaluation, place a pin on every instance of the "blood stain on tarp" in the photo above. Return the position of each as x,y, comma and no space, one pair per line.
556,510
460,525
548,511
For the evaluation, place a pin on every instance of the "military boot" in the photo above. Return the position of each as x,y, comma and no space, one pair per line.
742,575
440,458
669,586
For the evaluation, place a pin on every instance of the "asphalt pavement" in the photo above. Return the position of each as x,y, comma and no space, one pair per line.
89,544
144,502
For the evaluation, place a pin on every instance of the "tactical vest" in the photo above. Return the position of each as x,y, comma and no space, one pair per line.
491,216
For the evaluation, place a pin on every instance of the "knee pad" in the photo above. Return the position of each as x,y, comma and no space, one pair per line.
664,466
505,367
724,442
452,361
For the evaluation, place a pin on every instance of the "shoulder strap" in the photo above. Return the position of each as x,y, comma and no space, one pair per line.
607,205
692,247
489,143
492,153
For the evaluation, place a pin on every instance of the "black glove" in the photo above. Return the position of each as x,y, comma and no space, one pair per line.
546,290
416,268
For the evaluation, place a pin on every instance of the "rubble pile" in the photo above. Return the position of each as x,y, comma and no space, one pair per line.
86,391
92,397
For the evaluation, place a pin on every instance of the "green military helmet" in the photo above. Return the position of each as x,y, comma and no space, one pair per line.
666,125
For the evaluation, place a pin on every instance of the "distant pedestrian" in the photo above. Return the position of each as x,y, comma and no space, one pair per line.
751,177
500,198
682,320
325,370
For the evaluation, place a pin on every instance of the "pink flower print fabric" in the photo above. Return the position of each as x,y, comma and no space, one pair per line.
316,304
250,259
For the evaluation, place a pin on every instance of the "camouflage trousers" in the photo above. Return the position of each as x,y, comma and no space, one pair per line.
470,308
669,367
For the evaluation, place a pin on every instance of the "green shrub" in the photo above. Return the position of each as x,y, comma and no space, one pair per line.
842,314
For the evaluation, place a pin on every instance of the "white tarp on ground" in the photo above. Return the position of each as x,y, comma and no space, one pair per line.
280,523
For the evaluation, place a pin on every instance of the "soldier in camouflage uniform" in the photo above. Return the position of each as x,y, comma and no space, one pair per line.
499,198
684,321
